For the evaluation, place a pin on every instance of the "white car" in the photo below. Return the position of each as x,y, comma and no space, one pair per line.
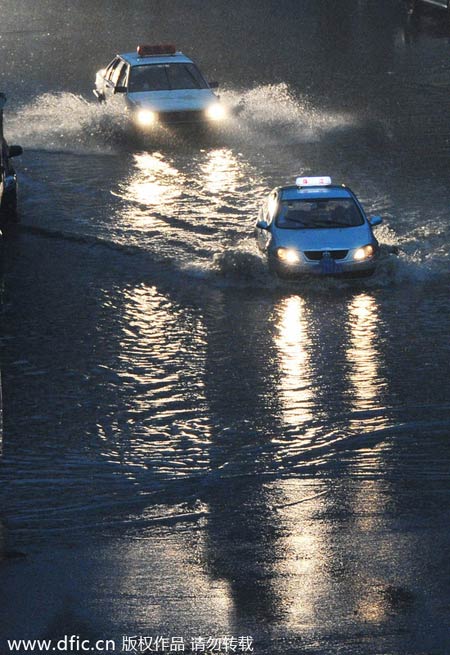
160,86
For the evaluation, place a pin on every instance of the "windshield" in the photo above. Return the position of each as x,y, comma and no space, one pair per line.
323,213
165,77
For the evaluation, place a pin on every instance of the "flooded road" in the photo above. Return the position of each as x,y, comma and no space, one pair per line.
190,446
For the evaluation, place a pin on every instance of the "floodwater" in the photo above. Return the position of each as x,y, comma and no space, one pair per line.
190,446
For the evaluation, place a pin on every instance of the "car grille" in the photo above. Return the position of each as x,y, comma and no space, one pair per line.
317,255
182,116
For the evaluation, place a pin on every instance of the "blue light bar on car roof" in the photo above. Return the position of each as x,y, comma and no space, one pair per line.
313,181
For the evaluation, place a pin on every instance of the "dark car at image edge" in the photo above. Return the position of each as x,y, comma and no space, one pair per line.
8,178
416,5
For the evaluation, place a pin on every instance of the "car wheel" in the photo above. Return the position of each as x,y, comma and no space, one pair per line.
8,206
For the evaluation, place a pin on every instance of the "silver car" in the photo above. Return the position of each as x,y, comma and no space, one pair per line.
318,228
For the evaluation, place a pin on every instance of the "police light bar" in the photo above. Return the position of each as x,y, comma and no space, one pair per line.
313,181
154,50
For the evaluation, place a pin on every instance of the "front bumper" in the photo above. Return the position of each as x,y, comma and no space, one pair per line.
347,267
161,119
181,118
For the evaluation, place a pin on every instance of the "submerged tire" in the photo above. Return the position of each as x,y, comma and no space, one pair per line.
8,207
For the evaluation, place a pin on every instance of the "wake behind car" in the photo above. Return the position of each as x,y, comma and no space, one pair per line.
318,228
160,86
8,179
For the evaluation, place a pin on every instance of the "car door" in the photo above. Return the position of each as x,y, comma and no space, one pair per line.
112,75
122,77
102,76
267,214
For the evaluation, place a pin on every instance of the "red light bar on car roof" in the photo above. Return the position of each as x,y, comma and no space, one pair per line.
152,50
313,181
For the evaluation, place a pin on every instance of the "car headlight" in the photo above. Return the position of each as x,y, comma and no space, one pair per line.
146,117
363,253
216,112
288,255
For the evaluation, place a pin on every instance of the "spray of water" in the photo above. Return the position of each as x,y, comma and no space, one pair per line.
65,121
68,121
262,116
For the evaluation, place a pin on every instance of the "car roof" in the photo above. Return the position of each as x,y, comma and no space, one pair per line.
315,192
133,59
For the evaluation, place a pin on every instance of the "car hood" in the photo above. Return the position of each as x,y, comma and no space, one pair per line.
189,100
323,239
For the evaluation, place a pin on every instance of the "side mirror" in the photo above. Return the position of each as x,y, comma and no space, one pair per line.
263,225
120,89
375,220
213,85
15,151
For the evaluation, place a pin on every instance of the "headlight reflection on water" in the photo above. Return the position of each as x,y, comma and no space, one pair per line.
362,352
221,171
155,182
293,344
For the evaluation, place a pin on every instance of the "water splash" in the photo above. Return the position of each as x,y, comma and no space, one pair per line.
200,201
65,121
275,114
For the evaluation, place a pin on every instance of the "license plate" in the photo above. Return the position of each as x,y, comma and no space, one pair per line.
329,267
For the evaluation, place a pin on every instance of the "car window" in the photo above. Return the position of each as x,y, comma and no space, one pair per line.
122,76
111,68
148,78
117,73
323,213
165,77
185,76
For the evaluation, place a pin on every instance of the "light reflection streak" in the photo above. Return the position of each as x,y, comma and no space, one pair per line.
314,567
154,183
163,384
199,192
363,356
172,570
158,341
362,353
293,345
221,171
302,552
